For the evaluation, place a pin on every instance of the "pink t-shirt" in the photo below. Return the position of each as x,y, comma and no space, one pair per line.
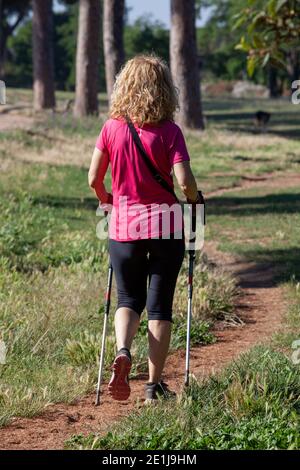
140,202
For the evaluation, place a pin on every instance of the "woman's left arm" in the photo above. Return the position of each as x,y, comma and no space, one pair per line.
97,171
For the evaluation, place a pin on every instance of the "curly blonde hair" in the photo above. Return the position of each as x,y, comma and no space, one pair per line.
144,91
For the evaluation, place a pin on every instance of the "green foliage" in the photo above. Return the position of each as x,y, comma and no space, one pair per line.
272,29
85,349
216,42
19,68
146,36
12,13
65,37
29,238
19,65
200,333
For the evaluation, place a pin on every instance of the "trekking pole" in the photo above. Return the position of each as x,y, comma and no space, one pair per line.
106,313
192,256
191,253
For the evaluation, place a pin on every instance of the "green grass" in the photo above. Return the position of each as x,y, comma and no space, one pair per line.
253,404
52,280
232,146
265,224
51,322
53,269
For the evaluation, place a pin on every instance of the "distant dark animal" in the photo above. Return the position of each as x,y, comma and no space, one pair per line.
262,118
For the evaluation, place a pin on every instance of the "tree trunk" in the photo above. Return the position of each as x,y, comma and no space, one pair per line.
113,21
43,65
2,41
185,63
87,58
293,64
273,82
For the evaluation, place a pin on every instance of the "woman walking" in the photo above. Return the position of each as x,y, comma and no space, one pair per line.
146,239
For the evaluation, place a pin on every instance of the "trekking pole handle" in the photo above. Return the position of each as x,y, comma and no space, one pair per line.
200,200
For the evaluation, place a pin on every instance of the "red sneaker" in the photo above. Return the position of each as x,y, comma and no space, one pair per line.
118,386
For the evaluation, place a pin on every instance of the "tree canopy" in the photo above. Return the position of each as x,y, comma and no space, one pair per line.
272,31
266,32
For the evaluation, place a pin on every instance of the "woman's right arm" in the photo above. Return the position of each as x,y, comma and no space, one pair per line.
186,180
98,168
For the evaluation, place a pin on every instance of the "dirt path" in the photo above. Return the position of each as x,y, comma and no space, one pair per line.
260,307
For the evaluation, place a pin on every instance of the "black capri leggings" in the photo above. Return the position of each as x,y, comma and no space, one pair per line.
136,262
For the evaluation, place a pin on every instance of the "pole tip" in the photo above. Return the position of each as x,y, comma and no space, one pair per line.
97,402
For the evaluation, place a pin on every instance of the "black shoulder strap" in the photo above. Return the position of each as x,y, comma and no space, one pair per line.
156,175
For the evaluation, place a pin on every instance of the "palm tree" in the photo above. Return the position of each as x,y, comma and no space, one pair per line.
87,58
113,21
43,66
185,63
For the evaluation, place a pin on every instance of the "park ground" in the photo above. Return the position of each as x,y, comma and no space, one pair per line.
246,389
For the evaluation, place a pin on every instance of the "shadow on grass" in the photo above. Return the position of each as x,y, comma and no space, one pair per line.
290,133
230,104
273,265
89,203
283,124
243,158
244,206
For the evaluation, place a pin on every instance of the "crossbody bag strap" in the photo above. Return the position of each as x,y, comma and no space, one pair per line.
156,175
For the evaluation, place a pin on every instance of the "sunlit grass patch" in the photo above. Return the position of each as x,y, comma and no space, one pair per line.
38,314
33,238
